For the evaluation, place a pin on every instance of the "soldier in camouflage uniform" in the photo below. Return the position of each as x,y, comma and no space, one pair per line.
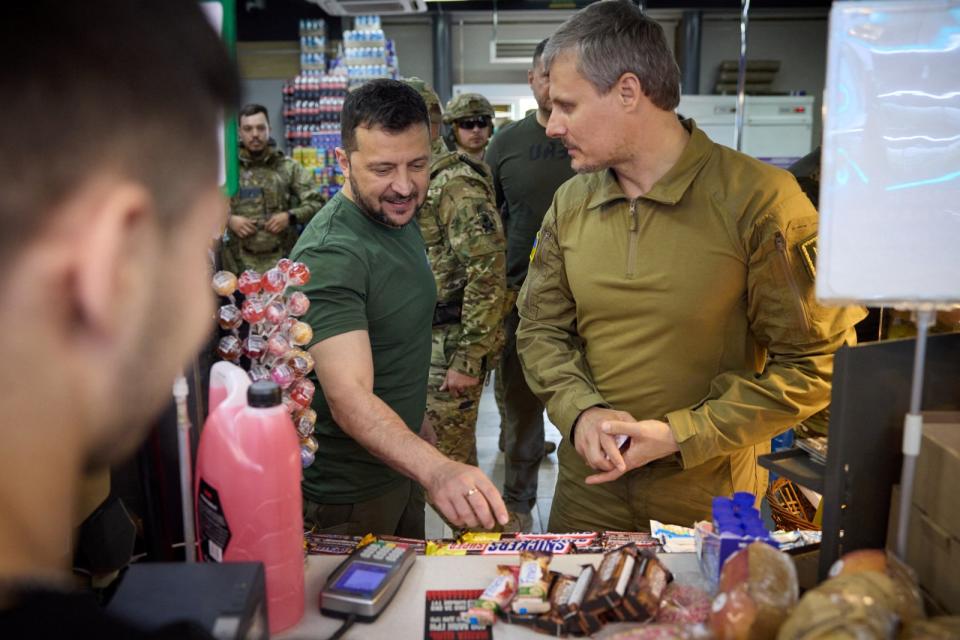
467,253
470,117
275,196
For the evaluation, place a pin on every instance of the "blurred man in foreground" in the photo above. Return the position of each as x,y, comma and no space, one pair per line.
104,262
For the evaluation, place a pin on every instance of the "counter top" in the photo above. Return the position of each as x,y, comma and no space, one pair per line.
403,619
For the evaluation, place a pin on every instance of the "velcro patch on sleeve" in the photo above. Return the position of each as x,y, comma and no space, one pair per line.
808,255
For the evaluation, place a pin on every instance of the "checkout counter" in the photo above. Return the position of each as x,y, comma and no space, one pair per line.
404,618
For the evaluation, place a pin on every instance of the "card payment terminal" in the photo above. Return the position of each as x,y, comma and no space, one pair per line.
364,583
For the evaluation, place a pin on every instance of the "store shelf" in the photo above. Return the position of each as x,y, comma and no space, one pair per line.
796,465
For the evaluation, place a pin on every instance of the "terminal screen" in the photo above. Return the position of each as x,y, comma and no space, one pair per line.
361,577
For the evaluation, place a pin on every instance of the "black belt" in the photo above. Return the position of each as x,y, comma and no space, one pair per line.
447,313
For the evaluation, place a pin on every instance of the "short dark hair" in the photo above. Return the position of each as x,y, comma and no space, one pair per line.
252,109
391,104
614,37
134,87
538,51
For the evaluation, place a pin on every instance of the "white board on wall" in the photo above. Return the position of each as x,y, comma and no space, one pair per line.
890,181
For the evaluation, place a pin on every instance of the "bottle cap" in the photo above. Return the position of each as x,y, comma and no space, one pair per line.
263,394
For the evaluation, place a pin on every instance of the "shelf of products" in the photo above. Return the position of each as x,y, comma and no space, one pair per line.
313,100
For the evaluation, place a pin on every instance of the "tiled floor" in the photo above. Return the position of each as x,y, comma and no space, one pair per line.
492,462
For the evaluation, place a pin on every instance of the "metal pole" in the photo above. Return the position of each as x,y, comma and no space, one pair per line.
180,392
690,80
912,431
741,77
442,56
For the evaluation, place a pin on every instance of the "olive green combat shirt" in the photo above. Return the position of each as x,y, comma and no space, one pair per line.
693,303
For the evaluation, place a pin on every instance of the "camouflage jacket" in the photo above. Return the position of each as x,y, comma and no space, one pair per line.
271,184
467,253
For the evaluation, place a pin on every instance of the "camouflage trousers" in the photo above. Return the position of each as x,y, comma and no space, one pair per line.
454,420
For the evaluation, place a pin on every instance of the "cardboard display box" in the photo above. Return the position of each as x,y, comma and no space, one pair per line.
933,548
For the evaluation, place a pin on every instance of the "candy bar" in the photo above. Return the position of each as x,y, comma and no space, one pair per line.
611,581
583,542
645,589
560,592
616,539
495,597
575,619
533,583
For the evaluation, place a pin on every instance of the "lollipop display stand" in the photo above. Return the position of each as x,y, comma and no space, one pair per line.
273,344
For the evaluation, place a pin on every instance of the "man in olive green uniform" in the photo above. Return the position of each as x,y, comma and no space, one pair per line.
527,168
466,249
470,117
670,296
276,195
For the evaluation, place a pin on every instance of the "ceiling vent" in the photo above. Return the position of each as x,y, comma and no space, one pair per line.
503,51
371,7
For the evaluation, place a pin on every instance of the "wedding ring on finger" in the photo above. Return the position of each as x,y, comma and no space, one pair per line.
472,491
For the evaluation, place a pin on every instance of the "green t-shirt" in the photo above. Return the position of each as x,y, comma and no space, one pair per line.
366,276
527,168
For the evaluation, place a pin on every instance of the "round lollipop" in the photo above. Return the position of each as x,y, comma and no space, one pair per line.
274,281
249,282
224,283
254,346
277,345
287,325
310,443
298,303
298,274
259,372
284,264
302,392
289,404
228,316
252,310
305,420
306,458
276,313
282,375
300,361
229,348
301,334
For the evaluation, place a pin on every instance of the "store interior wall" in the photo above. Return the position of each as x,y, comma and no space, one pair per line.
798,41
269,93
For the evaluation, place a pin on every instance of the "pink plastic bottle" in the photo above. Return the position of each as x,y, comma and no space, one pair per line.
248,491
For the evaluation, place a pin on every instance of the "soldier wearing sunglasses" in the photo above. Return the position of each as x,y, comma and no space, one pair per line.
470,117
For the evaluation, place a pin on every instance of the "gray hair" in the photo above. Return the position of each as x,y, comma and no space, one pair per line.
612,38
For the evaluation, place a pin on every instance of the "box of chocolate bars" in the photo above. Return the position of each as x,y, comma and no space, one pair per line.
611,579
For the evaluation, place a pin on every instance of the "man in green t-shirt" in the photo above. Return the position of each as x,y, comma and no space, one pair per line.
527,168
372,297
